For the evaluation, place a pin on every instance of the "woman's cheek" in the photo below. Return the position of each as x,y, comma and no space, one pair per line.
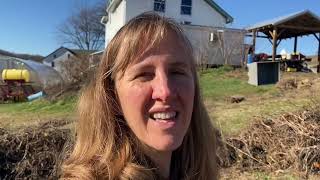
139,93
184,83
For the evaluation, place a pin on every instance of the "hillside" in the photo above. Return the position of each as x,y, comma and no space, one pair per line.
37,58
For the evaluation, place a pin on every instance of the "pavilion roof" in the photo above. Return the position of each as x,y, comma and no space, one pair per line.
296,24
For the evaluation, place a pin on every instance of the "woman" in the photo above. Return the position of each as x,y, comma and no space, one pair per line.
142,117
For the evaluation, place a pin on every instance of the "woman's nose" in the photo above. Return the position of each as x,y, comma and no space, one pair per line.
163,89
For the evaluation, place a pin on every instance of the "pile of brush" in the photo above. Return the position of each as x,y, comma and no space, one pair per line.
33,153
290,141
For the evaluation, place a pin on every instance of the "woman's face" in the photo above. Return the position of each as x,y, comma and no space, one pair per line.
156,94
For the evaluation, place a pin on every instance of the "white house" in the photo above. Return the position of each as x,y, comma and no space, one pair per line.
200,19
55,58
62,58
195,12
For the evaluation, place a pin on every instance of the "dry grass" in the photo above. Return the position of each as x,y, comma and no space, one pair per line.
34,152
289,142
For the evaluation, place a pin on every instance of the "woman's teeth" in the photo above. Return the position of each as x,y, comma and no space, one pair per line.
164,115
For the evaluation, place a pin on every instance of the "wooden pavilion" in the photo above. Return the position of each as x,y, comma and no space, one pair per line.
291,26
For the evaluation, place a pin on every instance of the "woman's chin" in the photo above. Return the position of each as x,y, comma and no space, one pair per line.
166,144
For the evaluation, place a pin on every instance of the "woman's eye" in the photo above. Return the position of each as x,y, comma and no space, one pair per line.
178,72
145,76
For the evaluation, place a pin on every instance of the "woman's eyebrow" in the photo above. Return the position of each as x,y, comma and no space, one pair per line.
179,63
147,64
139,67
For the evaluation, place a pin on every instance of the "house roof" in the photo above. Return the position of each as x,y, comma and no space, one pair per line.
97,53
79,52
56,53
291,25
229,18
60,51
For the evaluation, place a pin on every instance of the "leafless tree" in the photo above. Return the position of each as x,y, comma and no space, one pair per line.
75,69
83,28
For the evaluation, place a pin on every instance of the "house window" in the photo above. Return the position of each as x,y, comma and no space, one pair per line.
159,5
52,64
186,6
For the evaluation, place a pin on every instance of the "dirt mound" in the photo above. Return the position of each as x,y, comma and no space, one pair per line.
298,82
33,153
291,141
286,84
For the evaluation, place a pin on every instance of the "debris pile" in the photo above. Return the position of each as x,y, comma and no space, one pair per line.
33,153
299,83
290,141
287,84
237,99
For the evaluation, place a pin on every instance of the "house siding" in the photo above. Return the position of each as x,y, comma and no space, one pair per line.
202,14
60,66
116,20
47,60
209,53
204,20
205,15
62,55
137,7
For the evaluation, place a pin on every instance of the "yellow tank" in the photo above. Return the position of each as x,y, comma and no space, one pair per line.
16,74
290,69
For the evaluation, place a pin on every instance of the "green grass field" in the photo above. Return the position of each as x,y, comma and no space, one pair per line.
217,85
16,115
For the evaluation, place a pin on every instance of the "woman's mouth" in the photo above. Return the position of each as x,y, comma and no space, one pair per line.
164,116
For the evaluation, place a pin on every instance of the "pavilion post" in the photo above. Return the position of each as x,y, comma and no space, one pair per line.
295,44
254,35
274,44
318,69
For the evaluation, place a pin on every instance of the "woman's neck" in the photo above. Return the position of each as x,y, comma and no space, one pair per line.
162,160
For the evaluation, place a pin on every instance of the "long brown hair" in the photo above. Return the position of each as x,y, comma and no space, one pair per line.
105,148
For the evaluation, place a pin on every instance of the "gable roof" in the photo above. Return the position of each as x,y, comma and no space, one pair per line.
229,18
55,54
283,19
80,52
60,51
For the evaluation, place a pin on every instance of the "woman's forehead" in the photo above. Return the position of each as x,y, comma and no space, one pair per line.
171,43
171,46
170,52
